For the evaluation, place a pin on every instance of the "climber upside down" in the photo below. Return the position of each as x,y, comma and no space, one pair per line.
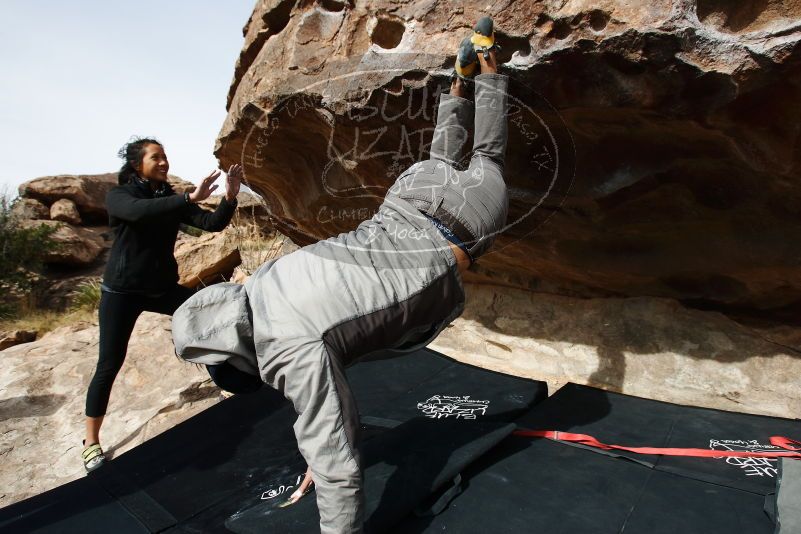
393,283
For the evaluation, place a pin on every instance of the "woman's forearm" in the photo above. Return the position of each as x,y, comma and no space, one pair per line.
121,204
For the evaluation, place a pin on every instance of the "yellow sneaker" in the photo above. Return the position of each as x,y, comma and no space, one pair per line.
466,59
483,38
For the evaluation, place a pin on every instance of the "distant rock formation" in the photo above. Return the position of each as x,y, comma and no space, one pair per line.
653,148
87,192
75,206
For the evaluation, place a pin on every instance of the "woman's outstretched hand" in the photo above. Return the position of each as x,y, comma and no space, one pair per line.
233,181
205,188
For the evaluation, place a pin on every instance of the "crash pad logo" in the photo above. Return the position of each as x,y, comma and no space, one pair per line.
762,467
280,490
452,407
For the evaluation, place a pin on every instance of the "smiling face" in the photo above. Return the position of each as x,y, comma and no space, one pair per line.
154,164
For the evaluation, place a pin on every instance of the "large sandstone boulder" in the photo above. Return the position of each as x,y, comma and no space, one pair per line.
43,395
652,148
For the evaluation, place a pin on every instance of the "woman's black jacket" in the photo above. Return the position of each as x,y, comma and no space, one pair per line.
145,228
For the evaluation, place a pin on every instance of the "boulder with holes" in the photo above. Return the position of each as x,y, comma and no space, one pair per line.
651,150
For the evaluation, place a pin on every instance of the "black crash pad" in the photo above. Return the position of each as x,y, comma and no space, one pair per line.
403,466
539,485
632,421
235,455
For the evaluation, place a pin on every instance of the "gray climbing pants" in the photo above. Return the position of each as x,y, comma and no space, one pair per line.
472,203
390,284
384,289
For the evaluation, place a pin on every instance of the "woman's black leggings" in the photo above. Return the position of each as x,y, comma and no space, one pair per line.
118,313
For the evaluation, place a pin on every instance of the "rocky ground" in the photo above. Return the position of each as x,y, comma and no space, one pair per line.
648,347
43,391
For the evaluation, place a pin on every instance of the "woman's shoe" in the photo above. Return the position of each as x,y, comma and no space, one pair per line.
93,456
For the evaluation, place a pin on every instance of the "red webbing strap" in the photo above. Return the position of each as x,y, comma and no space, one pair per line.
792,448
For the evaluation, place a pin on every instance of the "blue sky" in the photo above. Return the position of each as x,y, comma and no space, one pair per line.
81,77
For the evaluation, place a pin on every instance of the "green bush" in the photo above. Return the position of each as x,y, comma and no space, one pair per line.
86,296
21,253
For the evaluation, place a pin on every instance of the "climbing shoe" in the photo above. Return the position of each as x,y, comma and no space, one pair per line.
483,38
466,60
481,41
93,456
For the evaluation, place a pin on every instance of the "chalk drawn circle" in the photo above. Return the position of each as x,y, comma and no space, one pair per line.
268,121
